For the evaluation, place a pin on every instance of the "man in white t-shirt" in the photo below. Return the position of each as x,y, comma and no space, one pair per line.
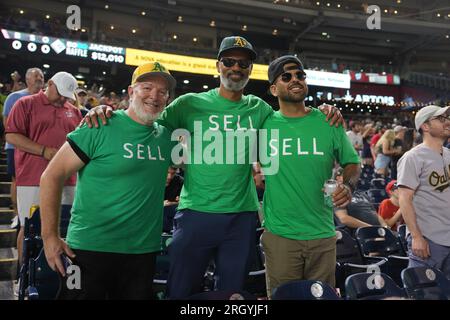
424,181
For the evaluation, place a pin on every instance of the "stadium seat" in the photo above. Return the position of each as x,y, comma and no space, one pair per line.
378,183
401,233
162,267
363,185
426,283
44,283
32,243
350,261
367,168
381,242
378,176
255,282
304,290
372,286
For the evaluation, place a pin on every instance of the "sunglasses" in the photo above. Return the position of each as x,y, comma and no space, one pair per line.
229,62
287,76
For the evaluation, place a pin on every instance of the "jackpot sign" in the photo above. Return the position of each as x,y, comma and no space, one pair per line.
60,46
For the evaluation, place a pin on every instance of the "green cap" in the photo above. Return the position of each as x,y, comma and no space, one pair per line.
236,42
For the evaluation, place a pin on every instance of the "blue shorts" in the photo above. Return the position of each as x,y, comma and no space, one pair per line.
11,168
382,161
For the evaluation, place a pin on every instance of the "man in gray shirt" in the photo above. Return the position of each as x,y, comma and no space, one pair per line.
424,181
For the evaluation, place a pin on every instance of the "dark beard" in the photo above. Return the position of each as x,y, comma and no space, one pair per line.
294,98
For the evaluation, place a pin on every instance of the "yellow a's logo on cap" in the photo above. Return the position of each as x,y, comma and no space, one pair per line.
240,42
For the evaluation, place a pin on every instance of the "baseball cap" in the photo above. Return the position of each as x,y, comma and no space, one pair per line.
276,66
66,84
236,42
391,186
399,128
428,112
80,90
153,68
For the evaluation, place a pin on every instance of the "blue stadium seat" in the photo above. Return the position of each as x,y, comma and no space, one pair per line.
372,286
32,243
426,283
381,242
350,261
44,283
304,290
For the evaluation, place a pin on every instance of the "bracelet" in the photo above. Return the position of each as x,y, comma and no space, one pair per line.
43,151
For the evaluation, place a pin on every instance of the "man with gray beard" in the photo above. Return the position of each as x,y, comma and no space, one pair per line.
114,237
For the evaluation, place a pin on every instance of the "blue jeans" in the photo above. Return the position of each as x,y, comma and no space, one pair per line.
198,237
439,257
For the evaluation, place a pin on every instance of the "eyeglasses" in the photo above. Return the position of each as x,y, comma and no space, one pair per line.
287,76
442,118
229,62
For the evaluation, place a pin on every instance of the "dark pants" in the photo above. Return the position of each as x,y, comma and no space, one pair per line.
112,276
198,237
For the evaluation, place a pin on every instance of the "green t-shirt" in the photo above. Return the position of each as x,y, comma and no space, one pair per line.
213,183
306,147
119,197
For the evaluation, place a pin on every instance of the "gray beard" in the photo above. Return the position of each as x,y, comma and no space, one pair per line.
147,118
232,85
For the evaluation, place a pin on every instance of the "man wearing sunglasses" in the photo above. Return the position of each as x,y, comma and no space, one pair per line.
424,191
299,238
37,126
217,213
